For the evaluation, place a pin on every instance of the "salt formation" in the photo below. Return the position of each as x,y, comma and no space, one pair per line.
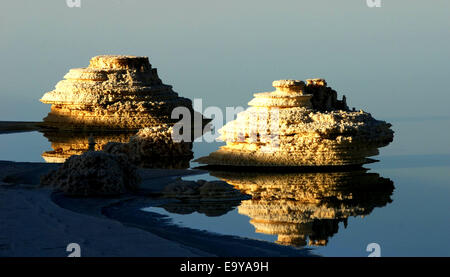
208,208
212,198
303,208
113,92
202,190
300,124
94,173
154,147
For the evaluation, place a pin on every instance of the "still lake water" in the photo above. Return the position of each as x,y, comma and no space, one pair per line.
401,202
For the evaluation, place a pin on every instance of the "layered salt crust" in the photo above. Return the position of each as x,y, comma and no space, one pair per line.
300,124
113,92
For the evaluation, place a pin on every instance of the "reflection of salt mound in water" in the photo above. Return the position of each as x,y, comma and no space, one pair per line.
66,144
298,206
150,147
114,92
202,190
212,198
206,208
154,147
299,125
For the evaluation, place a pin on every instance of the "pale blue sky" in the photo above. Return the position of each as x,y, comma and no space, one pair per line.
392,61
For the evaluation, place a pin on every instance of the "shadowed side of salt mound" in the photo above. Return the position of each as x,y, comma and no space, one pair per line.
94,174
324,98
154,147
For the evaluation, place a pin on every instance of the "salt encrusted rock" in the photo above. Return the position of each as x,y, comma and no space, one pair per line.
154,147
94,173
114,92
202,190
300,125
298,207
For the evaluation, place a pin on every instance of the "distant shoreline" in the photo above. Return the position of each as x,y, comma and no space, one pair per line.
7,127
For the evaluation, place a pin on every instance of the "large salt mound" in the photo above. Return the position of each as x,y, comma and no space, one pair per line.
113,92
300,124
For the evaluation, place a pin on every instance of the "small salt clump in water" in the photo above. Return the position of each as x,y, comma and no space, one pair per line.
202,190
154,147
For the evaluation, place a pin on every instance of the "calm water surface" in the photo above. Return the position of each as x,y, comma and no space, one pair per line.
401,202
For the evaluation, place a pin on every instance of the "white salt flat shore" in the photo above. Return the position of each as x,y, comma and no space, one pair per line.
32,225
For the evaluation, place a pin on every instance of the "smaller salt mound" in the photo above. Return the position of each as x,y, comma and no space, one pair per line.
154,147
94,173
